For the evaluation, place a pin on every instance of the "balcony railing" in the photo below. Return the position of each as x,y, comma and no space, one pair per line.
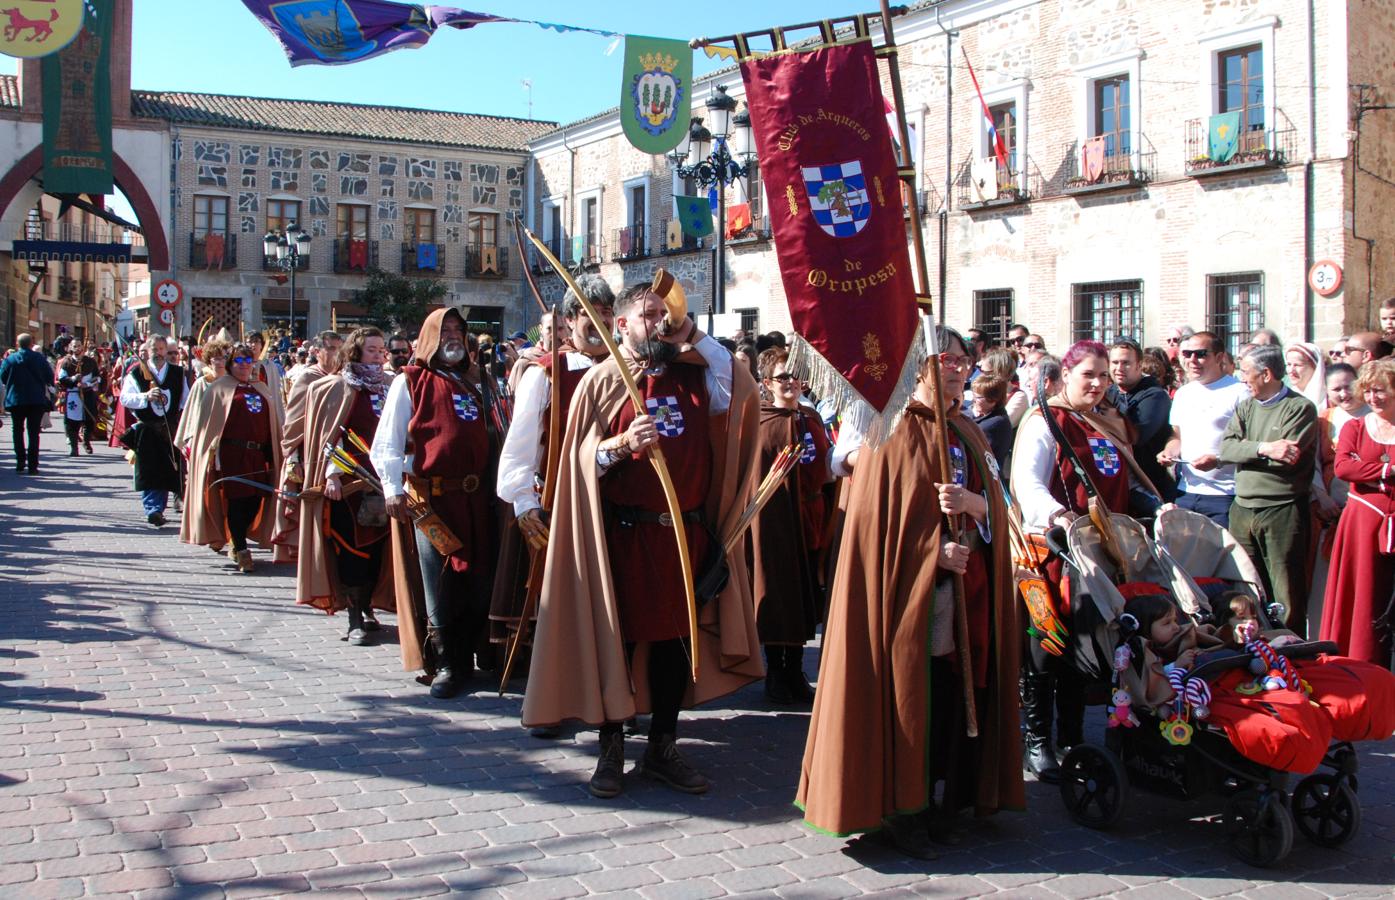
272,264
1093,165
686,242
1256,148
417,260
355,255
86,234
984,184
479,265
213,251
631,242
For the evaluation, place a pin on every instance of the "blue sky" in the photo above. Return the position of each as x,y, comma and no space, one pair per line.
216,46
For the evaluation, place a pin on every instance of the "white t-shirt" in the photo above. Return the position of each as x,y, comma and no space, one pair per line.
1202,412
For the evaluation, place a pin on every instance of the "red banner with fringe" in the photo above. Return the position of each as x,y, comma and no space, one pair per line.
829,170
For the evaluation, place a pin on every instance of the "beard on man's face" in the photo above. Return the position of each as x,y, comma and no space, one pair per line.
452,353
656,352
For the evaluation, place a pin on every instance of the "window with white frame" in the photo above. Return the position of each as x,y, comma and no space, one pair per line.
1237,69
1007,105
632,240
586,239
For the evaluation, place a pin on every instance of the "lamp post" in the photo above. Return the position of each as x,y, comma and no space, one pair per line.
285,251
709,162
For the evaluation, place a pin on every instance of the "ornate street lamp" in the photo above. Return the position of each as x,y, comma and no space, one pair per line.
704,156
285,251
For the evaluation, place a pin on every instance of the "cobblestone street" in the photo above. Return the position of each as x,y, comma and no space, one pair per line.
171,728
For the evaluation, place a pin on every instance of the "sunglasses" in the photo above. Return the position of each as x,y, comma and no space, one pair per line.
400,352
1336,354
1033,345
1017,341
242,360
1174,341
1195,354
783,377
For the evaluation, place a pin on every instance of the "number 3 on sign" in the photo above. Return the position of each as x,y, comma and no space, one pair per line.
1325,277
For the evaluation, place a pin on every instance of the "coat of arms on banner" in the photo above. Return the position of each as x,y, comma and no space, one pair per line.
254,402
810,451
465,407
1092,159
838,197
655,98
1106,456
656,92
668,418
329,27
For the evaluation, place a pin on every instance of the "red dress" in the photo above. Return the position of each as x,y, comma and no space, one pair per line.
1361,578
245,448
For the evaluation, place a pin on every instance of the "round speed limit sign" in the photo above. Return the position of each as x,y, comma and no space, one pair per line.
1325,277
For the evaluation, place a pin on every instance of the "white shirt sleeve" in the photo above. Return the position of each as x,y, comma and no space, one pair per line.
389,450
718,373
849,441
131,395
1033,461
522,452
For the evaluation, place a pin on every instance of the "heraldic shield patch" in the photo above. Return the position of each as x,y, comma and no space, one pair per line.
668,418
1106,456
465,407
838,197
254,401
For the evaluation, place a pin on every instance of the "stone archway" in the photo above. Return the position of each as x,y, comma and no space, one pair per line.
147,213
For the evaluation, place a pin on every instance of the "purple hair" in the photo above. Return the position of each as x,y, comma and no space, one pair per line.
1080,351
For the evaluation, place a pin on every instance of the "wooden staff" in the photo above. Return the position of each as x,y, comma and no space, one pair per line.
528,272
656,454
537,559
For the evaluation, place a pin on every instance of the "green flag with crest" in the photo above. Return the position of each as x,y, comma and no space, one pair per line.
656,99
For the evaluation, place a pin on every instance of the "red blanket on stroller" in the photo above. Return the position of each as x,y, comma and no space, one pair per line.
1358,696
1278,728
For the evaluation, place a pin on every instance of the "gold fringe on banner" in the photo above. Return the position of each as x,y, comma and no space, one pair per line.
827,383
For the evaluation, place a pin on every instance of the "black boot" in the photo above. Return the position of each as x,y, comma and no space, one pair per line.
777,688
357,598
609,778
445,684
800,688
1070,711
1037,754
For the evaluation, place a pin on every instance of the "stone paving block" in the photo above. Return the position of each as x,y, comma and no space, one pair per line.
680,868
18,873
693,889
347,876
55,889
824,889
79,866
278,886
550,867
215,872
296,861
129,882
611,880
376,851
1084,886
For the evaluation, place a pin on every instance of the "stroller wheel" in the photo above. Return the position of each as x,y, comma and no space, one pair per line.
1259,827
1326,810
1093,786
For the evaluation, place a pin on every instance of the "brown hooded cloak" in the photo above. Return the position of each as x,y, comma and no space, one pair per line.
292,436
204,520
868,754
578,662
327,408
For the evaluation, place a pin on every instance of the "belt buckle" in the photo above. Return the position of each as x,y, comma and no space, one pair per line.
666,519
470,483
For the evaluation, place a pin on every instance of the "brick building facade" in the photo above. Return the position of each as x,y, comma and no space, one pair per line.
1148,233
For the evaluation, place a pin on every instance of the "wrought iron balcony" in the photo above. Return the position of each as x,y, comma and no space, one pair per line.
686,242
631,242
989,185
478,264
418,262
1256,148
272,264
355,255
213,251
1112,164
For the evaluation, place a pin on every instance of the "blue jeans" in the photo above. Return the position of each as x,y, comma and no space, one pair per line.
154,501
1215,507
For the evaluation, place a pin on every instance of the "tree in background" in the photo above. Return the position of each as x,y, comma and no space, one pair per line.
395,303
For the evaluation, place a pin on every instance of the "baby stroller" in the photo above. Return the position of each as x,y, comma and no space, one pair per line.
1259,813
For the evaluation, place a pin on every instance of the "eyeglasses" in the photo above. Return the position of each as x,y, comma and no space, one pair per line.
242,360
783,377
1033,345
1195,354
1174,341
1017,341
1336,354
956,362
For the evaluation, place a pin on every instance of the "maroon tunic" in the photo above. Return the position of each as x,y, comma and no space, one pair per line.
643,556
1361,579
248,422
362,420
448,436
1110,470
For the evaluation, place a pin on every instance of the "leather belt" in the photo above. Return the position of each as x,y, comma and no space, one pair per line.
436,485
630,516
250,445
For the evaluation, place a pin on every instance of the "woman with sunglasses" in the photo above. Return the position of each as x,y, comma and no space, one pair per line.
234,457
1052,493
787,536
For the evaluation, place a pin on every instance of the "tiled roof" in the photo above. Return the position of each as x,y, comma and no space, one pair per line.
9,91
390,123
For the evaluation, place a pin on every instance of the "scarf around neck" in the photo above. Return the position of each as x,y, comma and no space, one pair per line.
363,377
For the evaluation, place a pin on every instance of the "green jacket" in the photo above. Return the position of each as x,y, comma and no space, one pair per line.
1260,481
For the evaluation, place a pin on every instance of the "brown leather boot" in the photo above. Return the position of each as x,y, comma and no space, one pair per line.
663,762
609,778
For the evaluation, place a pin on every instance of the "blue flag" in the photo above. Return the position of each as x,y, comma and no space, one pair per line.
1223,138
426,256
694,214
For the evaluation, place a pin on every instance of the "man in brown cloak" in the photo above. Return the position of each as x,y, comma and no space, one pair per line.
612,637
436,445
343,520
888,721
236,432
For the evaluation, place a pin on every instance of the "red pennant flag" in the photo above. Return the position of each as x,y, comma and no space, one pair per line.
738,218
835,209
